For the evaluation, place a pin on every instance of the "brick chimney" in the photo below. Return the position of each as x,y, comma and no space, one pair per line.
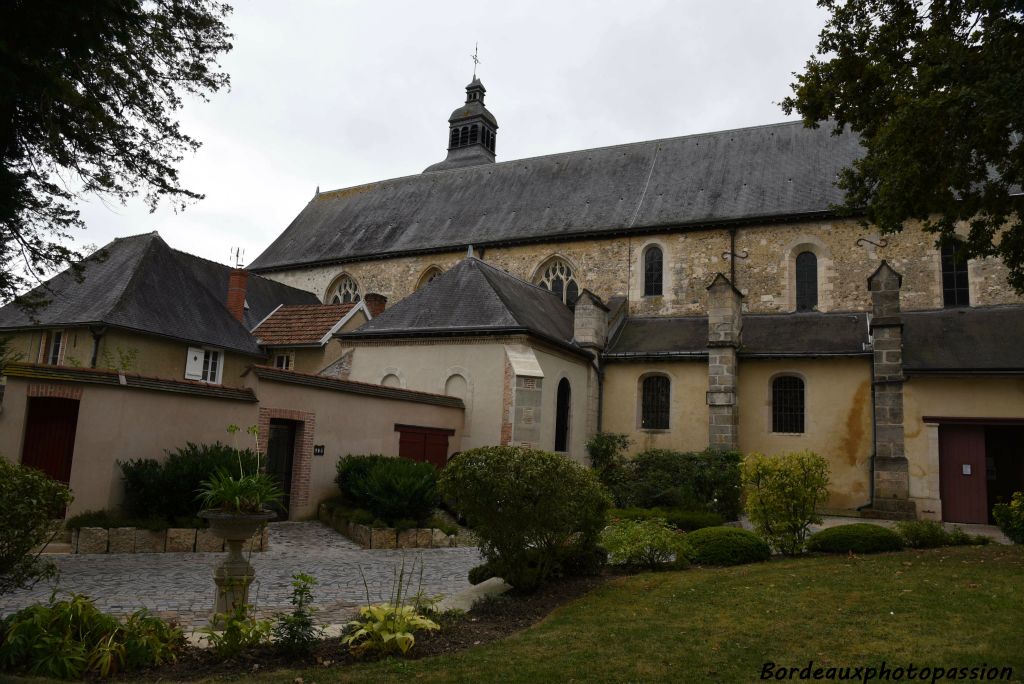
237,281
375,303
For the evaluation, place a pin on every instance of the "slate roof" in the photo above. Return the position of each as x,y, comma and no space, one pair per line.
473,297
96,376
139,283
975,340
764,335
300,324
752,174
353,387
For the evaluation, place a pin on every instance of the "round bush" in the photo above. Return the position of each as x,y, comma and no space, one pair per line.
724,546
643,543
855,538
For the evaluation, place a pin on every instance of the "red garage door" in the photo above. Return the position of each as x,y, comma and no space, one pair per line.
962,473
424,443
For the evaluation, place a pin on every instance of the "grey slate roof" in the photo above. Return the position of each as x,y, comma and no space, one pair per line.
979,340
473,297
769,335
139,283
750,174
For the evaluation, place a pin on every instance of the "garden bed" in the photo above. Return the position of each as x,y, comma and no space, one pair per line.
370,537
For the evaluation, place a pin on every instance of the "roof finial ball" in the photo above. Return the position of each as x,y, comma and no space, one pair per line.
472,130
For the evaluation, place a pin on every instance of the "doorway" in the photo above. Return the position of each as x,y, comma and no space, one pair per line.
50,428
563,404
281,459
979,466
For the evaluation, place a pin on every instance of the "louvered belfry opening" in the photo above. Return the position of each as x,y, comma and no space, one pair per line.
788,404
654,411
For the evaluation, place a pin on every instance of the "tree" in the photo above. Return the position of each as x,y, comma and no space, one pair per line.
934,89
87,96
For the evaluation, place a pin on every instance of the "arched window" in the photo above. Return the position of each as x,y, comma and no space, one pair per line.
558,277
428,275
655,392
474,133
806,281
652,271
455,138
391,380
464,135
956,290
562,412
343,291
788,404
456,386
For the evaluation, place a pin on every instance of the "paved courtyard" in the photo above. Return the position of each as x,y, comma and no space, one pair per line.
180,585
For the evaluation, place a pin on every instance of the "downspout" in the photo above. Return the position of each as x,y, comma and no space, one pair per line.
600,390
97,335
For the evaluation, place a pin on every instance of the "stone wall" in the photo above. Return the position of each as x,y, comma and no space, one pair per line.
847,255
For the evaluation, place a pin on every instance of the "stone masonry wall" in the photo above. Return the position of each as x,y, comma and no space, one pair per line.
847,255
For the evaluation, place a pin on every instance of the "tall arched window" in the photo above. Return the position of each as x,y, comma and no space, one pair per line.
343,291
558,277
655,393
562,413
956,290
652,271
787,404
806,281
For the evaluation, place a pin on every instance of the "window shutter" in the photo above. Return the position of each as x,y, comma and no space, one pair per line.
194,364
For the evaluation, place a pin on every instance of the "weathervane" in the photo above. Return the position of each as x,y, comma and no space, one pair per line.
476,60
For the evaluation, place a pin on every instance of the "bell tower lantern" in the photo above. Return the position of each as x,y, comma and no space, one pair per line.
472,132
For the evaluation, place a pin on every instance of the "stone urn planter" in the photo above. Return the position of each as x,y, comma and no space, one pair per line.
234,574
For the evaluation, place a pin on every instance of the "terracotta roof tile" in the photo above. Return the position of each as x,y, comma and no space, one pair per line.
300,323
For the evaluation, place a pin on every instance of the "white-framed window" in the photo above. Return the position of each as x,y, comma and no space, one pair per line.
283,361
53,347
204,364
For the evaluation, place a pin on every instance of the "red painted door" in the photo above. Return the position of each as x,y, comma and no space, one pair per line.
423,444
962,483
50,436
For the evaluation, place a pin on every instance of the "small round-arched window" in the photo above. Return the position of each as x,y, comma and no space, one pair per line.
428,275
558,277
344,291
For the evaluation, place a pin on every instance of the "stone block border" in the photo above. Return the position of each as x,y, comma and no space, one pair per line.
386,537
89,540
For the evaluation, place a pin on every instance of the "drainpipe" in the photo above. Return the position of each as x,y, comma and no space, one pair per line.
871,469
600,390
97,335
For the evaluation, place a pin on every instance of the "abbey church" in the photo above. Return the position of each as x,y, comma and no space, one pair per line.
691,292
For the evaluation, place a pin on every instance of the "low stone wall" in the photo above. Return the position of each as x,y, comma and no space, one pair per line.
387,537
173,540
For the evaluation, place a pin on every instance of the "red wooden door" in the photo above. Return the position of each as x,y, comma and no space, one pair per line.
50,436
423,444
962,482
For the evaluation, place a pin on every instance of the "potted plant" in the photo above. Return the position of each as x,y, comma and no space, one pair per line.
236,508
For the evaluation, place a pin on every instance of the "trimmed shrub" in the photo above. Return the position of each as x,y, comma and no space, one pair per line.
607,458
31,502
923,534
724,546
855,538
687,521
393,490
1010,517
783,493
526,508
696,481
170,489
643,543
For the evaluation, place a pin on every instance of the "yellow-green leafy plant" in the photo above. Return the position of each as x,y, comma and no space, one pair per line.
642,543
782,496
1010,517
240,630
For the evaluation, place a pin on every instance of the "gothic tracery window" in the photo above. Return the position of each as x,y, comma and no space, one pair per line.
558,277
344,291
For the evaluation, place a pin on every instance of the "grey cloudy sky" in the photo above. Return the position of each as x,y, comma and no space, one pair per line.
337,94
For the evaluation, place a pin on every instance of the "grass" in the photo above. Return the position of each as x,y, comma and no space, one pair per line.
945,607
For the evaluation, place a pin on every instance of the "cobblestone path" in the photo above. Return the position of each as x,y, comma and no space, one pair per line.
180,585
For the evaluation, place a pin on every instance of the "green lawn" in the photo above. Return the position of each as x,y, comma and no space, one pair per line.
947,607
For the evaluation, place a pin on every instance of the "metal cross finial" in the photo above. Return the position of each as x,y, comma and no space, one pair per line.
476,59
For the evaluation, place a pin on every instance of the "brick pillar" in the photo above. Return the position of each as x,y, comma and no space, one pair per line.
724,327
237,282
891,474
375,303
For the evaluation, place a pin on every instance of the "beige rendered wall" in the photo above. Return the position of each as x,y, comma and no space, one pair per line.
837,419
688,411
556,367
350,424
122,424
846,257
949,397
428,366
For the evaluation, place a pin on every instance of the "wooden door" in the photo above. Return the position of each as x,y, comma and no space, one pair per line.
962,477
50,429
280,460
429,445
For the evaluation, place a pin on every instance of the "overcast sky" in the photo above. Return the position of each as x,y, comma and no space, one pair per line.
335,94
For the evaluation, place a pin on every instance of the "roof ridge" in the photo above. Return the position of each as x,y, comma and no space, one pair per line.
513,310
538,157
230,268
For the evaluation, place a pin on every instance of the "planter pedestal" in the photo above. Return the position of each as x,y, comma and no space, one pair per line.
234,574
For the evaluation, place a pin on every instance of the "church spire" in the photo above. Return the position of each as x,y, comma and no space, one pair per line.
472,131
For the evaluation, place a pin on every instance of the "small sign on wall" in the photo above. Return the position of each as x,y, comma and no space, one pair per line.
966,468
318,449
